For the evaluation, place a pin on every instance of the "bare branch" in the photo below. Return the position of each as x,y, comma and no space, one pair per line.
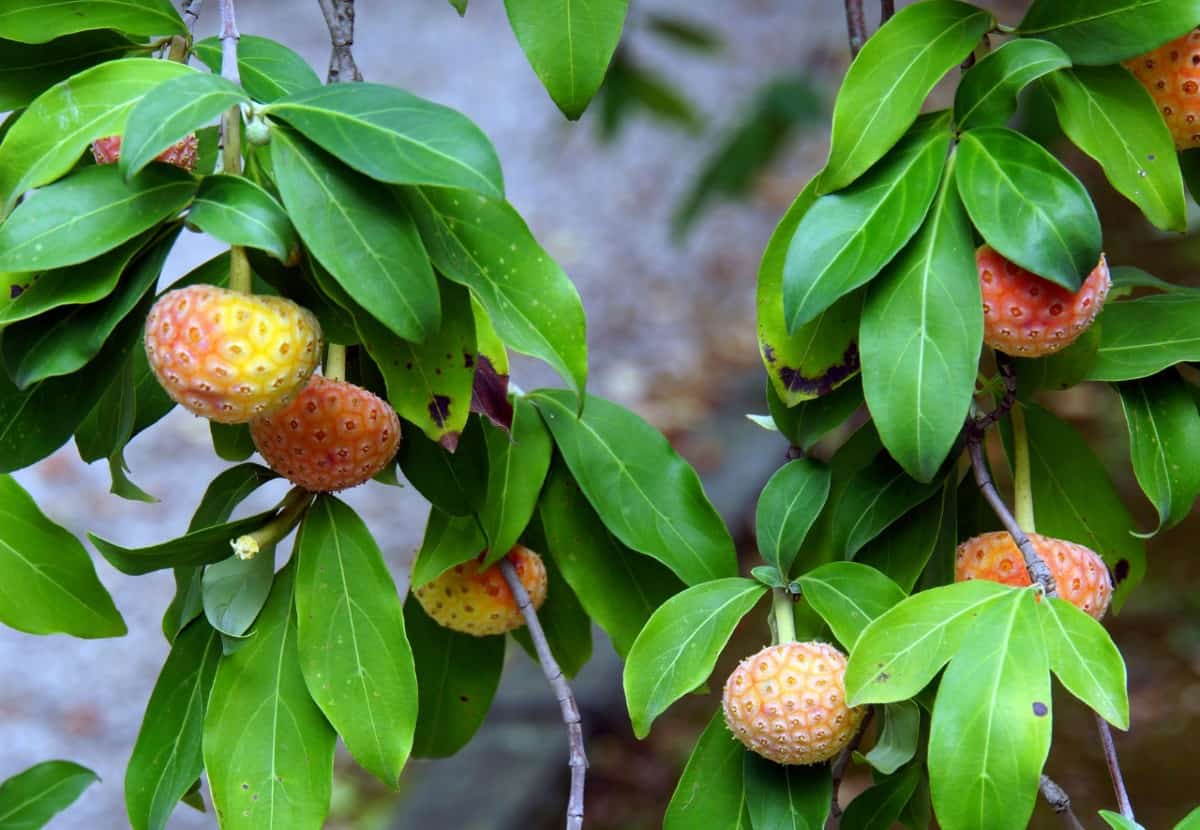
856,25
229,43
1058,799
838,771
1114,768
887,8
577,760
191,13
339,17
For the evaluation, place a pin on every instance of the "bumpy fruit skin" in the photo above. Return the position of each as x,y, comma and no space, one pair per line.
788,703
230,356
1171,73
479,603
1080,576
1028,316
331,436
182,154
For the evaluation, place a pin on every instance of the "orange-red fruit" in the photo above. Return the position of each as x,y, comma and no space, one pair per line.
1171,73
230,356
333,435
182,154
480,603
1080,576
788,703
1028,316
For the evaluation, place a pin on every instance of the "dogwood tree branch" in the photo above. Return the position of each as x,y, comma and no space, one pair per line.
577,760
191,13
339,17
838,771
1114,768
1060,802
240,278
856,25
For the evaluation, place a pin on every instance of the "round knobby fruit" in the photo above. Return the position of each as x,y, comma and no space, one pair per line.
1027,316
1080,576
1171,73
181,154
476,602
788,703
331,436
230,356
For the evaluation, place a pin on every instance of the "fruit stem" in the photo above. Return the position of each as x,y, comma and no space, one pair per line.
178,50
291,510
335,362
785,618
1022,481
231,138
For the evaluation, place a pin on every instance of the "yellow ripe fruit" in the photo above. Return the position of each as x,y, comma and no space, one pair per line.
479,602
230,356
788,703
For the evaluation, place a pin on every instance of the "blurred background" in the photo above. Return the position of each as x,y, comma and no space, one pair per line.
658,203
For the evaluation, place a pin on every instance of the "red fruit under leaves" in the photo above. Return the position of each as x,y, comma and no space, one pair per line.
183,154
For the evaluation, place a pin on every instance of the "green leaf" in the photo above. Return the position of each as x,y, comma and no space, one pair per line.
890,78
878,495
354,652
680,644
898,739
902,649
645,493
89,213
616,586
529,298
927,532
1027,205
27,70
121,485
449,541
1095,32
46,141
787,507
361,233
990,732
231,442
1060,370
109,425
394,136
455,482
1085,660
879,807
235,210
47,582
235,590
1142,337
457,677
782,797
685,33
268,750
1164,443
37,21
1109,115
1119,822
167,757
171,111
517,466
207,544
710,792
269,70
920,339
567,626
569,44
848,596
30,799
807,422
987,94
845,238
1189,822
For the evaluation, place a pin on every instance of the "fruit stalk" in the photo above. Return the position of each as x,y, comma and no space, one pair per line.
562,693
1060,802
785,619
1114,768
291,511
1022,481
838,770
231,137
335,361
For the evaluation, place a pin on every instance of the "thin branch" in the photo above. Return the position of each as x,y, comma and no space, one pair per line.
577,760
838,771
856,26
191,13
339,17
231,137
1114,768
1058,799
887,8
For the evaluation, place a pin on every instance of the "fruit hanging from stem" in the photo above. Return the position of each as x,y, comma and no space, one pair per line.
479,603
1171,74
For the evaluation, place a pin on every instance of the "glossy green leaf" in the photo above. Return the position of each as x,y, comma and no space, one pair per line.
782,797
990,732
231,442
848,596
235,210
1189,822
235,590
902,649
48,138
109,425
645,493
890,78
1085,660
680,644
361,233
710,792
456,482
31,799
121,485
449,541
987,94
1164,443
879,807
826,541
48,583
787,507
1060,370
354,651
618,587
269,70
1027,205
920,339
167,757
567,626
845,238
394,136
517,466
1109,115
457,677
485,245
1142,337
1119,822
877,495
1096,32
268,750
569,44
27,70
37,21
898,739
807,422
926,533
